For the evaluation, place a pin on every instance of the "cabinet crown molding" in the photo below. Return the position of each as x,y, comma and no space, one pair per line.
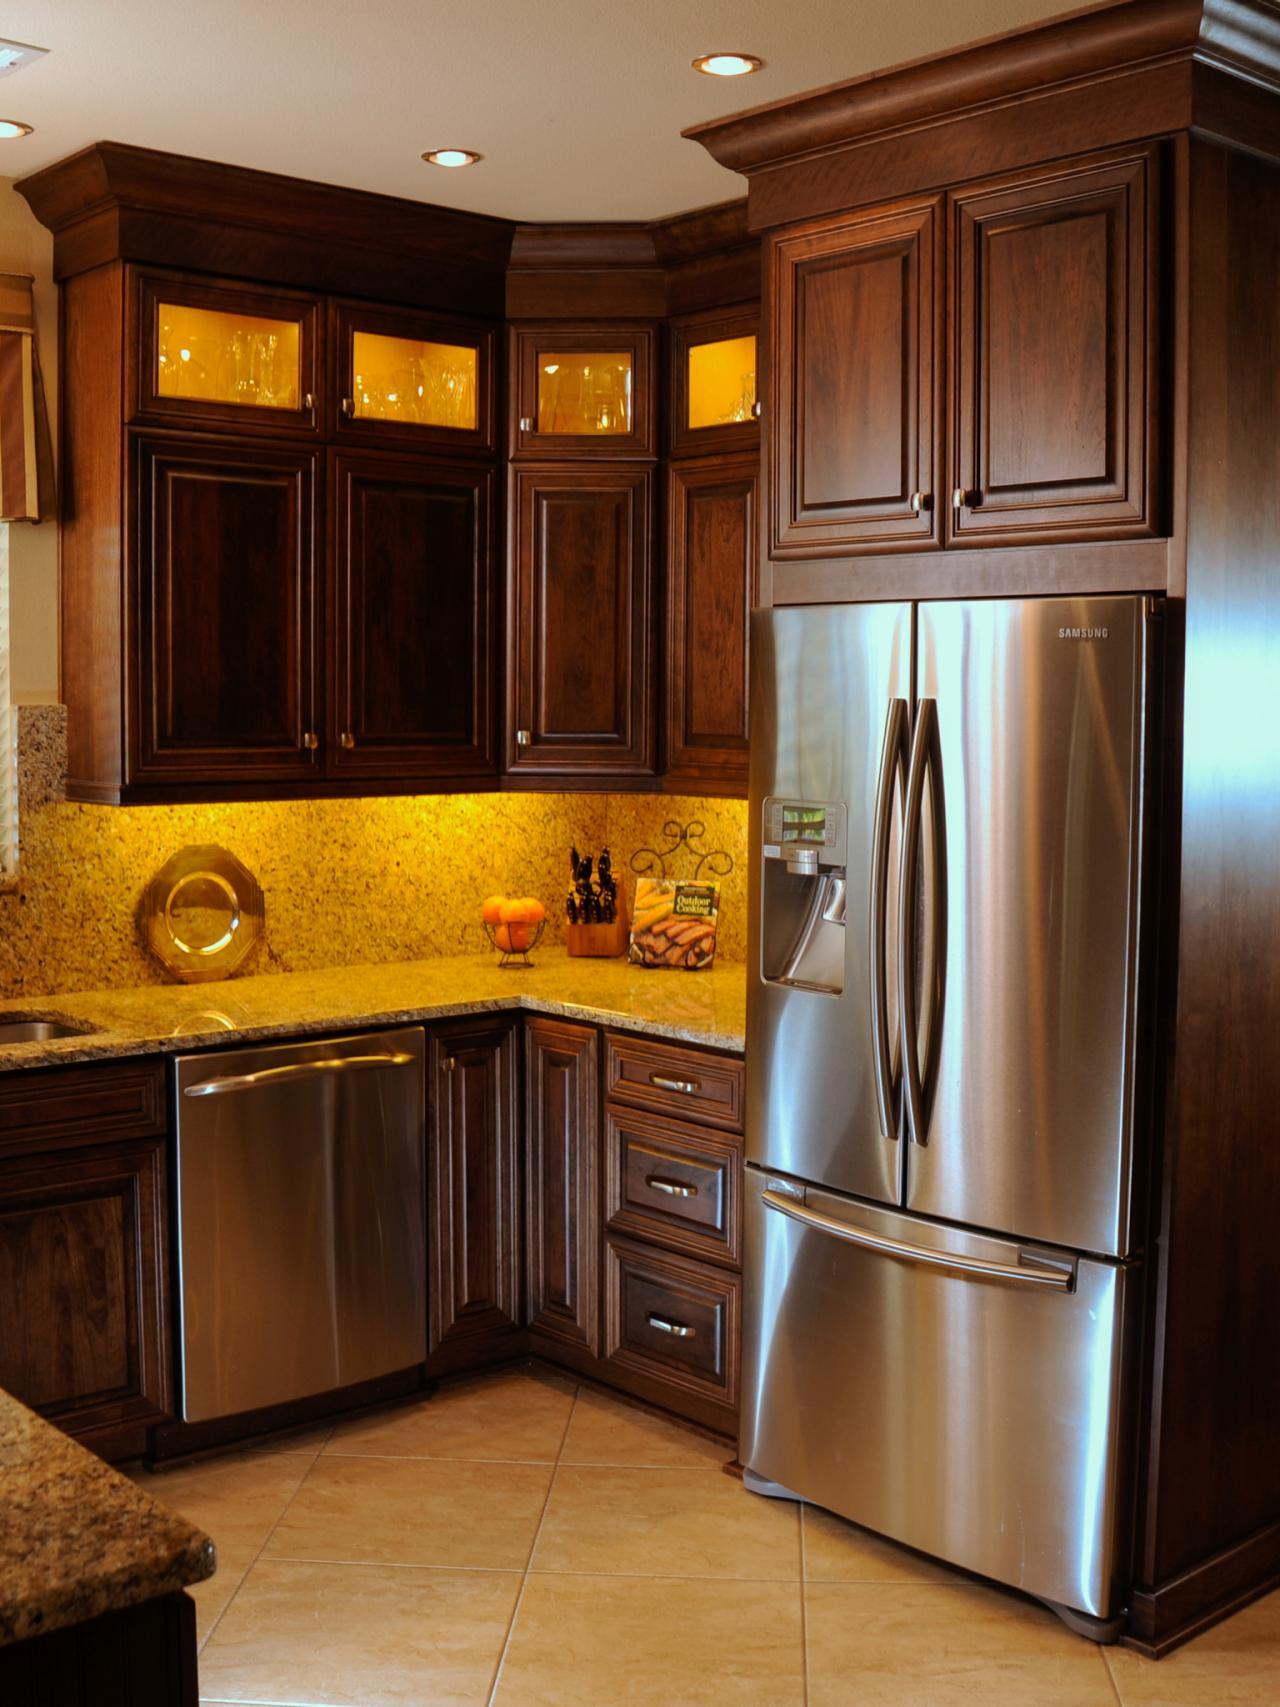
1239,37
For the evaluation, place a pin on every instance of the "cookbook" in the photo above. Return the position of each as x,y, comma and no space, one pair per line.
674,924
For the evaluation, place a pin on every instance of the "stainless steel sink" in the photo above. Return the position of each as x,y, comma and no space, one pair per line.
31,1028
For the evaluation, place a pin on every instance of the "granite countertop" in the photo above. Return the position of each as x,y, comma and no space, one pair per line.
76,1538
691,1007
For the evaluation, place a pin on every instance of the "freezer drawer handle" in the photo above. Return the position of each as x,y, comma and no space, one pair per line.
1055,1279
672,1187
295,1070
679,1329
686,1087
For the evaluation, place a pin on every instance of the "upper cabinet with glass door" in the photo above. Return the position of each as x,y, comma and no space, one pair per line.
713,382
225,355
411,379
582,392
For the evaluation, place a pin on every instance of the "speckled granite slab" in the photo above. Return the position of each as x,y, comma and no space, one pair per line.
76,1538
706,1008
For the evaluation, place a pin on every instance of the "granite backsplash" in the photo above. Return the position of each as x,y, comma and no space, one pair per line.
346,882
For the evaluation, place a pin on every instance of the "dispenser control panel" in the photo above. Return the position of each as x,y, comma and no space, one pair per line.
816,824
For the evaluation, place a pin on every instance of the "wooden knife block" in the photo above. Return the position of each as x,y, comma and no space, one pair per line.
601,940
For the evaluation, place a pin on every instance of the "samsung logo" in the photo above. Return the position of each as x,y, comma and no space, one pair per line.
1084,634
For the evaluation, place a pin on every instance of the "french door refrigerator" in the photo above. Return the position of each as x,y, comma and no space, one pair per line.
942,1256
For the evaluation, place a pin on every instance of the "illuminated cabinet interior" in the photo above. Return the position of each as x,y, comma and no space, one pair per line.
722,382
414,380
213,356
584,391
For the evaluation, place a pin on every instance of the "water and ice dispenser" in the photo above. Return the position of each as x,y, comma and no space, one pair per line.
805,852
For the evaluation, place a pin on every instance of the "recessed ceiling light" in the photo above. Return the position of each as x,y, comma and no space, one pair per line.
727,64
450,157
10,128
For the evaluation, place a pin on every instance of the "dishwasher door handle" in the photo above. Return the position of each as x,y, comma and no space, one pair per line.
295,1070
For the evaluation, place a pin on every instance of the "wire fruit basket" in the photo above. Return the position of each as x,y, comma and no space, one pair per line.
515,942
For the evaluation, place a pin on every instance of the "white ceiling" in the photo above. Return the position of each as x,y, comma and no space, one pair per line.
577,105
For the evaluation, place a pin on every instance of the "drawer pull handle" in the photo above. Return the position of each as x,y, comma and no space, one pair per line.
686,1087
672,1187
680,1329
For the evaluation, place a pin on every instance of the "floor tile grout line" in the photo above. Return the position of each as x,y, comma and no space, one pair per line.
804,1611
533,1547
1111,1676
235,1593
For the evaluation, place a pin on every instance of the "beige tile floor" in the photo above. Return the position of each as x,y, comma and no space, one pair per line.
520,1541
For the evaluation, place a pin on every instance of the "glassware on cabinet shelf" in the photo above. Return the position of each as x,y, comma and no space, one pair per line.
722,382
585,392
213,355
414,380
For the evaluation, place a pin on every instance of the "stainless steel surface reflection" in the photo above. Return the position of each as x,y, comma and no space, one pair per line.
974,1416
301,1218
30,1028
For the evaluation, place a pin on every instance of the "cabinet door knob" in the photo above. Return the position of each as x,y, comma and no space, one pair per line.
348,405
962,498
920,501
311,740
757,409
309,401
526,423
346,739
523,738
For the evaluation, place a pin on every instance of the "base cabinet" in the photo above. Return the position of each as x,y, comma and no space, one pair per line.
474,1211
561,1078
84,1331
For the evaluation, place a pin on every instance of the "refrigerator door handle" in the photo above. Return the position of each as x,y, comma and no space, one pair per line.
912,1080
891,757
1054,1279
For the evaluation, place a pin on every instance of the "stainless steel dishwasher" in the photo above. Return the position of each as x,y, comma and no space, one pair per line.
301,1218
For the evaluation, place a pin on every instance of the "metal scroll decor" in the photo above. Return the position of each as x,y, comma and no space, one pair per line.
684,839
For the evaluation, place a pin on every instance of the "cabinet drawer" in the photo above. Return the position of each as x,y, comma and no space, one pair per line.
672,1184
670,1080
674,1322
80,1106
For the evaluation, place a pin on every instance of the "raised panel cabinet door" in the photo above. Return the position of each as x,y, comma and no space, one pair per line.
474,1213
854,423
1053,355
223,548
84,1331
412,641
712,582
562,1095
580,651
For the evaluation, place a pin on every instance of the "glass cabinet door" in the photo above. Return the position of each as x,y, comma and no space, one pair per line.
411,379
713,390
583,393
224,355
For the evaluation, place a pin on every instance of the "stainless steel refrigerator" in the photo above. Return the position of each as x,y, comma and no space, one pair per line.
947,820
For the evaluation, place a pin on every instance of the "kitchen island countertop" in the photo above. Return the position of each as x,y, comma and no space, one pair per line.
707,1008
76,1538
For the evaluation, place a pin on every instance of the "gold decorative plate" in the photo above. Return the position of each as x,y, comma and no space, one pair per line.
202,914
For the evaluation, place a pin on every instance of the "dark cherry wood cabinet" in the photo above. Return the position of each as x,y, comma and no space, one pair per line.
583,391
417,381
223,539
855,402
412,625
580,650
561,1127
1053,358
84,1334
711,589
475,1214
217,354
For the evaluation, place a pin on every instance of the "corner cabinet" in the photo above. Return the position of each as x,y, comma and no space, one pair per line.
580,652
296,596
561,1091
1035,425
